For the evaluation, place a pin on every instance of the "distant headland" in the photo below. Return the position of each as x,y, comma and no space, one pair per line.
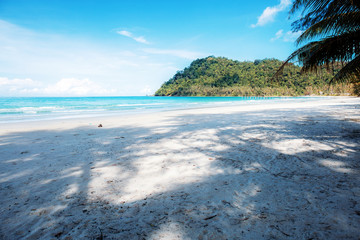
219,76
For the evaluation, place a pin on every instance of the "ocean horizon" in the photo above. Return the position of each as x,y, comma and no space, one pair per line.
18,109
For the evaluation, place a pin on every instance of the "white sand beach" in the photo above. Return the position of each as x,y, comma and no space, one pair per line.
285,170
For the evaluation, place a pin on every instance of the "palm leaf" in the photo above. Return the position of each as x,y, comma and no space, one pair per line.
351,72
335,48
317,10
292,56
337,24
319,6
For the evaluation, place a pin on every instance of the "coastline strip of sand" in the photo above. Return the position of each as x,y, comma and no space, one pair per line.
278,170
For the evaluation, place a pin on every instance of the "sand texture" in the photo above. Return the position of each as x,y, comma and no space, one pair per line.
264,171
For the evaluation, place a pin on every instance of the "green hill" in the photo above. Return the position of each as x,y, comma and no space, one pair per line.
218,76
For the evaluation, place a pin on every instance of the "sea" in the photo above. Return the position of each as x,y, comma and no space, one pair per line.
19,109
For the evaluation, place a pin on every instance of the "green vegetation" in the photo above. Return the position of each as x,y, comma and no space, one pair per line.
334,28
218,76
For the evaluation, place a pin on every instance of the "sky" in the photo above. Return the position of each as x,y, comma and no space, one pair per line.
129,47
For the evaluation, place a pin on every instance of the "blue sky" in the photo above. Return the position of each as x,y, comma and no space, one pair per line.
128,48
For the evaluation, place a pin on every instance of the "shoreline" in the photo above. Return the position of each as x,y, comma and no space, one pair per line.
82,113
94,118
260,171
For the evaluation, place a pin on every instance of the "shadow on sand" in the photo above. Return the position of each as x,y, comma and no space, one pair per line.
274,175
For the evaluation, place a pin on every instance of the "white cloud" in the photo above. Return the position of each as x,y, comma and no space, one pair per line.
5,82
174,52
17,85
140,39
269,13
77,87
64,87
32,61
147,90
292,36
125,33
286,37
278,35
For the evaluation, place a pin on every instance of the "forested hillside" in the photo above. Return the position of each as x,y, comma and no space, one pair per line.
218,76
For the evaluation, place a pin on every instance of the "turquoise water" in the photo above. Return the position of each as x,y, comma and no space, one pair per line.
37,108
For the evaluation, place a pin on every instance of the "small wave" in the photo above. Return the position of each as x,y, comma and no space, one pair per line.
10,113
36,108
29,110
138,104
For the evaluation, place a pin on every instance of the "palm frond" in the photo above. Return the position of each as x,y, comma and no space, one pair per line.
351,72
317,10
292,56
335,48
318,6
337,24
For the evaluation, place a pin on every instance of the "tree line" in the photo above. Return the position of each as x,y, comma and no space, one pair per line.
219,76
